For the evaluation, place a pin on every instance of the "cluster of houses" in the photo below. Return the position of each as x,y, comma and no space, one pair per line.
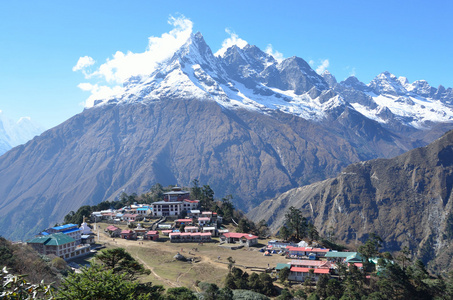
66,241
197,226
311,262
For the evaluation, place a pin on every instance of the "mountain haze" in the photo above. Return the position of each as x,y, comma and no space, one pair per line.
241,122
16,133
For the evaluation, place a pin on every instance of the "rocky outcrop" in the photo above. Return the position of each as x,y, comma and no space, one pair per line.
105,150
407,200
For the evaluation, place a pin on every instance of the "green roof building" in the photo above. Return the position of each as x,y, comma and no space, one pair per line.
350,257
58,244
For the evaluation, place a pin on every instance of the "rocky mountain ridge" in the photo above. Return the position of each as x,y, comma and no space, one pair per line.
252,79
407,200
242,122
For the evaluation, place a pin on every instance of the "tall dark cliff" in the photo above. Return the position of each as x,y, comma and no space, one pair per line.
242,122
407,200
105,150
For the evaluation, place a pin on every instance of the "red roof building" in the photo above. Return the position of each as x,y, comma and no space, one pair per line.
152,235
301,274
128,234
242,238
302,252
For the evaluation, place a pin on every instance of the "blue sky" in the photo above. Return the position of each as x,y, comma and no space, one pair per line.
42,41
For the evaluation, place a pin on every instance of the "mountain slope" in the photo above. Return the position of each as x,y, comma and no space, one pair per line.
407,200
241,122
96,155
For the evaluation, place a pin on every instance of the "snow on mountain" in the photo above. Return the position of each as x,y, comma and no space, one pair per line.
14,133
239,77
243,76
390,99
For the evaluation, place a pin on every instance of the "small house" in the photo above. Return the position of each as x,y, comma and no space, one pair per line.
242,238
167,232
186,222
210,229
194,213
130,217
249,240
191,229
306,252
128,234
151,235
113,231
204,221
301,274
87,239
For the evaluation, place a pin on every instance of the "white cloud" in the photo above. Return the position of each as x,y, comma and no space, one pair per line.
311,62
83,63
323,66
277,55
85,86
234,39
125,65
99,92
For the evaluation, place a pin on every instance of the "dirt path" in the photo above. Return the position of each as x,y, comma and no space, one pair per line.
206,257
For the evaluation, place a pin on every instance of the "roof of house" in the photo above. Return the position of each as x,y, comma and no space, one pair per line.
307,270
70,230
194,211
282,266
339,254
112,228
311,263
184,220
152,232
177,193
238,235
354,257
127,231
190,234
191,201
308,249
204,219
209,228
190,227
54,239
166,202
130,215
66,226
249,237
358,265
206,212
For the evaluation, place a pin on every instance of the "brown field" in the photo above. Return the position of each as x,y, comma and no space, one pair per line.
158,256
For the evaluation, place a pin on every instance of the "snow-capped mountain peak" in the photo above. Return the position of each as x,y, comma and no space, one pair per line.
14,133
387,83
243,76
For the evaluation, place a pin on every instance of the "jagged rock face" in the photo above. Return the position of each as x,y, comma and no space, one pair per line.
407,200
242,122
97,154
